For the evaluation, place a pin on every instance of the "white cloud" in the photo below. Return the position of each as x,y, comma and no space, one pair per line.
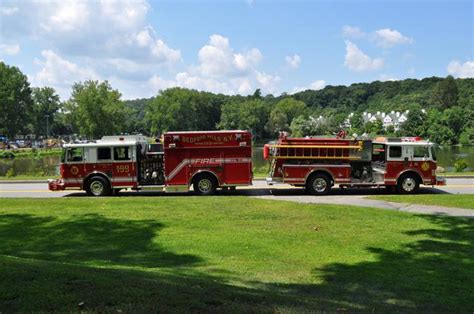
293,61
461,70
384,37
113,40
316,85
358,61
267,82
222,70
387,38
60,73
8,11
9,49
387,77
103,29
68,16
218,59
352,32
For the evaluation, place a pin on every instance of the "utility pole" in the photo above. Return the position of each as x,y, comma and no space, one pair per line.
47,126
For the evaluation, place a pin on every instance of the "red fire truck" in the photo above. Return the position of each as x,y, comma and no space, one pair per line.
205,160
317,164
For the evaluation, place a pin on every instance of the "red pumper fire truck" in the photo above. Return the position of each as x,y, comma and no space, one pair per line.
208,160
204,160
317,164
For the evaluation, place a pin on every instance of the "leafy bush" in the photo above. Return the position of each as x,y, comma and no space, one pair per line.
460,165
10,173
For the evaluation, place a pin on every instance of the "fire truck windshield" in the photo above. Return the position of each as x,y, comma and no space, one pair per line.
421,152
433,153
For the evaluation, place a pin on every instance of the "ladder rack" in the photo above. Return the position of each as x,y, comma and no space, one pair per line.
340,152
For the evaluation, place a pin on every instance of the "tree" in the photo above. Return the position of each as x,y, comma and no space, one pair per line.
96,109
436,129
16,104
248,115
283,113
414,125
445,93
46,105
302,126
257,94
180,109
357,123
374,128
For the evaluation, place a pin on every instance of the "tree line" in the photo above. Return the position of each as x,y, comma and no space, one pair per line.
95,109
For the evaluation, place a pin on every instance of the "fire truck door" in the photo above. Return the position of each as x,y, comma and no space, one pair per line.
75,168
123,172
104,161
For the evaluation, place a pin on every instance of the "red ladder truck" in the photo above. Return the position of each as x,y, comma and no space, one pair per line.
206,160
317,164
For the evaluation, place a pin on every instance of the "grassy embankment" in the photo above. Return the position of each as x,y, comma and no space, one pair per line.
30,153
448,200
175,254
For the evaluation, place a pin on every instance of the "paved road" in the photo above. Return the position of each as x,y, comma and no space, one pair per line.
260,188
283,192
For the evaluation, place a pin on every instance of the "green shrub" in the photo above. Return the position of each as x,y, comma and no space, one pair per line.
10,173
460,165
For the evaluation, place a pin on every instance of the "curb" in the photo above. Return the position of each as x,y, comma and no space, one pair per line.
22,181
468,176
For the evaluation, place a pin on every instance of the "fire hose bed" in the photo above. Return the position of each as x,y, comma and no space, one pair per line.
232,254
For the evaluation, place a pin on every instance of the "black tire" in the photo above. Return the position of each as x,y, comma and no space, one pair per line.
391,188
408,184
204,184
98,186
318,184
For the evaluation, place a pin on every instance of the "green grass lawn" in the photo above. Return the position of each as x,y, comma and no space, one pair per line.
448,200
216,254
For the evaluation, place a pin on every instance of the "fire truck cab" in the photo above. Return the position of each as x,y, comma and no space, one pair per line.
317,164
204,160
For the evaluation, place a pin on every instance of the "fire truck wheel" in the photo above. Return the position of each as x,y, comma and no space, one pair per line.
318,184
204,185
407,184
97,186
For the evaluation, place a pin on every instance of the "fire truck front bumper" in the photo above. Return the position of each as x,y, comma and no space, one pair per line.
56,185
440,181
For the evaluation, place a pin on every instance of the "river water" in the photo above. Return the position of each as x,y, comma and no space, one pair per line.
48,165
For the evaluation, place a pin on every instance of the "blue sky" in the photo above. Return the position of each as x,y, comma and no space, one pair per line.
234,47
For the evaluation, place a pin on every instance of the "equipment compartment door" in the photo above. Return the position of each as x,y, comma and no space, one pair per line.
237,169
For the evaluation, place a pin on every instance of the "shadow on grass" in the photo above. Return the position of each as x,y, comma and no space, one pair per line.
87,239
432,273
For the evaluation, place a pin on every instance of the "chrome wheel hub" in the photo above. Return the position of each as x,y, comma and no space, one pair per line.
97,188
409,184
205,185
319,185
